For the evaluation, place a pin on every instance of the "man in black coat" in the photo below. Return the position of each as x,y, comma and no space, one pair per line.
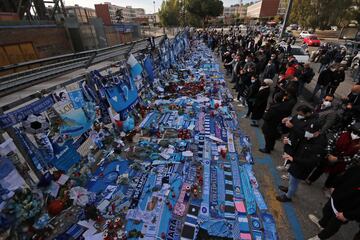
261,101
305,77
272,119
324,80
337,77
343,206
305,157
270,70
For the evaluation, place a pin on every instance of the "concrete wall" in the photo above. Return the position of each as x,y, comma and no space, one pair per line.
47,41
112,36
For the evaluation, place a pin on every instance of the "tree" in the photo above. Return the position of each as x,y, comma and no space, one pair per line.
119,15
321,13
170,13
205,8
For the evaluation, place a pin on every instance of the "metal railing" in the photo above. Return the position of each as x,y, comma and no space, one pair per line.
53,67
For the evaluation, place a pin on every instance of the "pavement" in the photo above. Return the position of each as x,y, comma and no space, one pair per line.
291,218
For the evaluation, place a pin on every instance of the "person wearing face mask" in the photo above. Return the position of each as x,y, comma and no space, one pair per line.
338,77
244,85
249,63
295,127
260,102
343,151
278,110
323,81
270,71
275,61
307,74
252,93
303,158
327,115
342,207
352,104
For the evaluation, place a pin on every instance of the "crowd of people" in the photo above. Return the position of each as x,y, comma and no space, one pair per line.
318,138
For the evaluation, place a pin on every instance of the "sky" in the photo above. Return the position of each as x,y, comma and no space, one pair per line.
146,4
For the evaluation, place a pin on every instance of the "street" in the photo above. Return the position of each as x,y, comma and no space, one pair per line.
291,218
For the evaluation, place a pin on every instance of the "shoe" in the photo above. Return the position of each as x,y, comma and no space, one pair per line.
245,116
283,198
283,189
236,100
315,220
315,238
264,150
240,105
285,177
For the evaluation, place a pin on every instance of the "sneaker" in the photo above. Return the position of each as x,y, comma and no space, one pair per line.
283,198
236,100
241,105
264,150
315,220
315,238
285,177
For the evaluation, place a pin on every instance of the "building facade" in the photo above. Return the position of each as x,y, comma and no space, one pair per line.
282,7
107,12
82,14
236,10
263,9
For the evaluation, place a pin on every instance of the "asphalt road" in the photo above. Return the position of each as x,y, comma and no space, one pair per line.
291,218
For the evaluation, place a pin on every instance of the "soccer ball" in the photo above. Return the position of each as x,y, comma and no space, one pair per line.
35,123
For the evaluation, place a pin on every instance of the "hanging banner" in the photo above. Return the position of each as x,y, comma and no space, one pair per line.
148,65
75,121
123,97
75,95
10,119
135,67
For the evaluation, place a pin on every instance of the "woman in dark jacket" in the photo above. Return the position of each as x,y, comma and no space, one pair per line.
252,93
261,101
273,117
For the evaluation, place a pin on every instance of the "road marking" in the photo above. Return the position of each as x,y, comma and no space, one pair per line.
289,209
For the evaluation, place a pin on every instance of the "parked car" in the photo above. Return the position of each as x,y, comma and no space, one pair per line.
293,26
305,34
311,40
298,52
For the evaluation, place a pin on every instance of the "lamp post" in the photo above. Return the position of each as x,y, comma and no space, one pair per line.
154,14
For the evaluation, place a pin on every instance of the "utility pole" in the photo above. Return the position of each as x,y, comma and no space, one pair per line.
287,15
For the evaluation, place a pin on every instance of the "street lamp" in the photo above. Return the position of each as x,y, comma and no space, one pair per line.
154,14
